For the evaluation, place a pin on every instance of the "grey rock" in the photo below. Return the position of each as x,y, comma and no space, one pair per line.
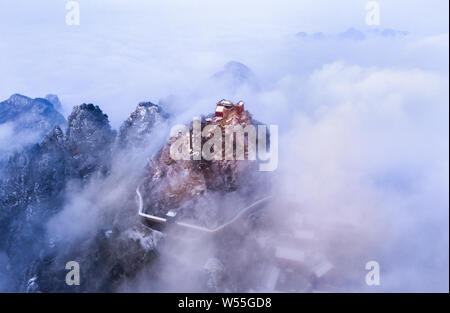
89,140
34,180
137,129
36,114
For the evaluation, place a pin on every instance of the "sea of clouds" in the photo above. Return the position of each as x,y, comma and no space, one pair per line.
363,123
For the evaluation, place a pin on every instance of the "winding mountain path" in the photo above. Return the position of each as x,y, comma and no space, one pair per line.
155,219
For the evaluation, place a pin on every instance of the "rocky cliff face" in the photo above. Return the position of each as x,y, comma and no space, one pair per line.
119,250
31,190
29,195
120,245
207,192
89,140
38,115
137,129
37,112
25,121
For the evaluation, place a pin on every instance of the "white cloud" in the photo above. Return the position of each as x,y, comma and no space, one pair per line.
372,152
11,139
364,125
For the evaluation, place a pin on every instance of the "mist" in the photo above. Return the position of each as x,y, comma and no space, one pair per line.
363,124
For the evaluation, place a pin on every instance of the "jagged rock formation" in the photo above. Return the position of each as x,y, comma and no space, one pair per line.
34,190
122,246
106,260
31,190
89,140
32,113
136,130
38,115
119,249
25,121
31,193
206,191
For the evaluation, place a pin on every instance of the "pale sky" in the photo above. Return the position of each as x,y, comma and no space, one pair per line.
126,51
